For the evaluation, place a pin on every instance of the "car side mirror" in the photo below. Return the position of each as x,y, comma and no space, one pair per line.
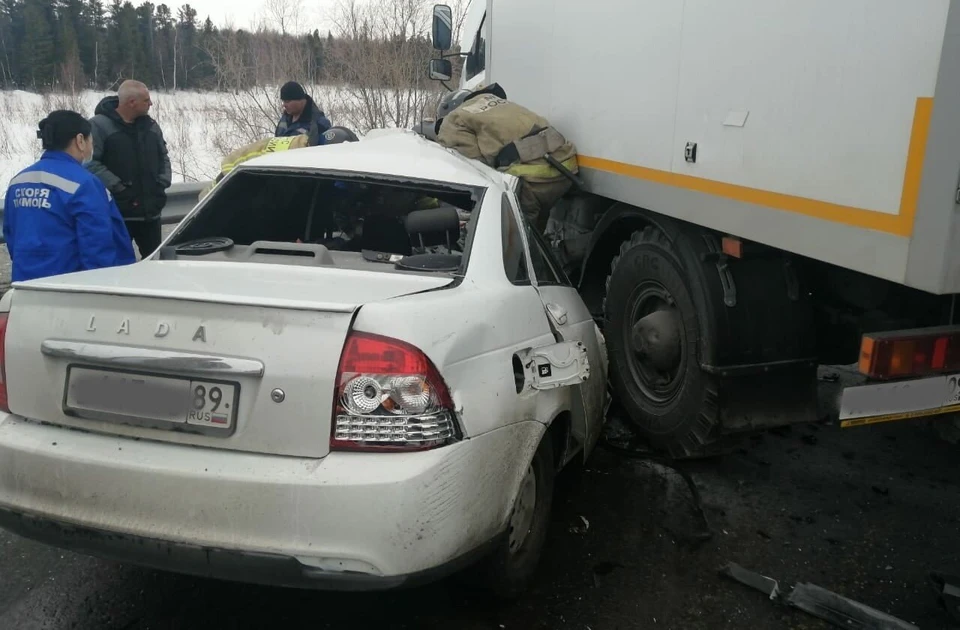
441,69
442,27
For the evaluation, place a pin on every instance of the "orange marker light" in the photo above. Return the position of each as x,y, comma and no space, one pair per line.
910,353
732,247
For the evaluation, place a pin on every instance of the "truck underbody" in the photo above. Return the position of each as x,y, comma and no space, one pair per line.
753,206
711,337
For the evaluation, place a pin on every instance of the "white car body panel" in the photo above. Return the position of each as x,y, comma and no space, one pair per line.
273,486
342,513
399,153
246,284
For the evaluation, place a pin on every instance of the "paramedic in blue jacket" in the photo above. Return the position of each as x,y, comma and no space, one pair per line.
58,217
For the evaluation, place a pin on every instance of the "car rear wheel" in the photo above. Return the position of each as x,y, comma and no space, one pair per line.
508,571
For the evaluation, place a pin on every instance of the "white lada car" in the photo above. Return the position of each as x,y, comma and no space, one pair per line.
349,367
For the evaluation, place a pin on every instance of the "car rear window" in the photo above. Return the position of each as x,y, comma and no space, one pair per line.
342,212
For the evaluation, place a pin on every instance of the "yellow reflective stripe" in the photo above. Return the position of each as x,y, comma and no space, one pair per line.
278,144
229,166
272,146
541,170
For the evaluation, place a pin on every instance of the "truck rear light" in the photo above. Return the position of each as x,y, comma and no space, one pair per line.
910,353
389,397
4,402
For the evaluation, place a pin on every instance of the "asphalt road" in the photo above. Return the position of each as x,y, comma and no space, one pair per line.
867,513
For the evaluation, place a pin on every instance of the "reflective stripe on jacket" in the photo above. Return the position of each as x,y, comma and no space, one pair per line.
252,150
261,147
59,218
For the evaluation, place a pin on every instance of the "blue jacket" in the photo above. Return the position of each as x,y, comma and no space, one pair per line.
312,122
58,218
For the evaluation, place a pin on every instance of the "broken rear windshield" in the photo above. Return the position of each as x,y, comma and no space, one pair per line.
345,213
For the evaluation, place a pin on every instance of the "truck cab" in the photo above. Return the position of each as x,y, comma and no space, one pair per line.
475,37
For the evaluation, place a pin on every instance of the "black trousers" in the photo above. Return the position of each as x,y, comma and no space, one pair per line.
146,234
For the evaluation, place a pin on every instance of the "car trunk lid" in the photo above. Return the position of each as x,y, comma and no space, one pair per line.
194,353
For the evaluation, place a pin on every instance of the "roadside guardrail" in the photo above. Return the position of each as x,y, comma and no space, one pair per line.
181,198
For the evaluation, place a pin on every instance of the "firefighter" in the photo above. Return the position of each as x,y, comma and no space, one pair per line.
334,135
483,125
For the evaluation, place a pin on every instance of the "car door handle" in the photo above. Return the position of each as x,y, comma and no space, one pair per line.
558,313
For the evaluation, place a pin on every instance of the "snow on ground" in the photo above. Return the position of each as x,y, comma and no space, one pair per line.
187,119
200,127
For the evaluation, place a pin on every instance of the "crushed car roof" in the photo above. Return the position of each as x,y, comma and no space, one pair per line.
390,152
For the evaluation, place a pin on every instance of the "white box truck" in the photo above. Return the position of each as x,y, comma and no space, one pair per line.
770,185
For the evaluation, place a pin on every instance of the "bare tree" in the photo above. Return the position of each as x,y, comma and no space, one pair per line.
459,8
250,70
383,50
285,15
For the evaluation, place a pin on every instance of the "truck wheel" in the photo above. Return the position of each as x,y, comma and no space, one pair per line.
653,340
508,571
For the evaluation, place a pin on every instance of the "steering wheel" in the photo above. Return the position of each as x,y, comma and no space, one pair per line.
202,246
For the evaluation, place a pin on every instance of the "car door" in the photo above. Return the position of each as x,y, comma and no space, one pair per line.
572,325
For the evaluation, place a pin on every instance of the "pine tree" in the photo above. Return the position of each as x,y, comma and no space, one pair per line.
93,42
11,30
37,46
123,45
145,42
163,45
316,45
186,43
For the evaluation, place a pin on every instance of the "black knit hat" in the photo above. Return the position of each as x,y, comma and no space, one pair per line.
292,91
60,127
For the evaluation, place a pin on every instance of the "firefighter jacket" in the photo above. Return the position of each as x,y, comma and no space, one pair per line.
506,136
256,149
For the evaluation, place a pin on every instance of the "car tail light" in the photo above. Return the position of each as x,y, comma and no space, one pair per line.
910,353
389,397
4,403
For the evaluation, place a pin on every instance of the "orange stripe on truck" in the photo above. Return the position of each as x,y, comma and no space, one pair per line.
900,224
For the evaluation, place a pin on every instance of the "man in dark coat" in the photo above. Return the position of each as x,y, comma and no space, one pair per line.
130,158
301,115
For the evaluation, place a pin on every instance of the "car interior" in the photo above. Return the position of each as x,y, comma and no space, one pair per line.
357,221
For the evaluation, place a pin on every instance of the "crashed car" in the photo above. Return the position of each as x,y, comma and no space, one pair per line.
349,367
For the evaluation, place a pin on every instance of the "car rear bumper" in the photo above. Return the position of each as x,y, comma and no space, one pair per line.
356,520
211,562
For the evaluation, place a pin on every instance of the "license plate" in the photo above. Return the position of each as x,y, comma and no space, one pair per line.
151,400
904,400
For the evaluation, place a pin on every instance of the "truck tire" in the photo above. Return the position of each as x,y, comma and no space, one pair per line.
654,338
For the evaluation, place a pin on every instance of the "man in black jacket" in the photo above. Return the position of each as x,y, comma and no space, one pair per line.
130,158
301,114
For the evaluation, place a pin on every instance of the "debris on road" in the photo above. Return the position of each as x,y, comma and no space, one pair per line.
603,569
819,602
947,588
842,612
581,530
767,586
620,439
